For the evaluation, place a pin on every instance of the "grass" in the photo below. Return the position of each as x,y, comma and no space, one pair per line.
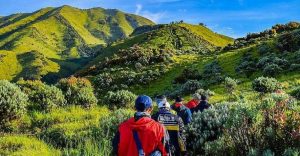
57,33
21,145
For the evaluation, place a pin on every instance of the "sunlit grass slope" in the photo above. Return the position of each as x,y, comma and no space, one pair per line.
61,34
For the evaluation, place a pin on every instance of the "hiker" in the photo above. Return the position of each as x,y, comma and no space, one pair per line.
203,104
182,111
141,135
194,102
173,124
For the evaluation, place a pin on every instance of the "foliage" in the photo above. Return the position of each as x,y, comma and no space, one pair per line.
191,86
265,85
206,126
78,91
230,84
22,145
289,41
246,66
188,74
212,73
271,125
120,99
41,96
296,93
13,102
208,93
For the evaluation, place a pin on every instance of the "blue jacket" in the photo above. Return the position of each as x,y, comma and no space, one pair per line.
184,112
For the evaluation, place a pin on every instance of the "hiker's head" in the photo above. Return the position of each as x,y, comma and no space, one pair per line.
162,102
197,97
143,104
203,97
179,99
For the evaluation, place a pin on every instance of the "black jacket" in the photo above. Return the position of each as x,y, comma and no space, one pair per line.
201,106
175,127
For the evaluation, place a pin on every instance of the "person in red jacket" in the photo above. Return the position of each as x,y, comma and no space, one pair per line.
141,135
194,102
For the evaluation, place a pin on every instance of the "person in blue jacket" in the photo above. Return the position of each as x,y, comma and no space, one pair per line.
182,110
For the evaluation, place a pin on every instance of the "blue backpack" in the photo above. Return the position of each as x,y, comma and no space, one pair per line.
140,148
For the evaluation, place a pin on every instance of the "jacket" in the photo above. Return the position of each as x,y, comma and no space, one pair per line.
192,105
183,112
152,135
202,105
175,127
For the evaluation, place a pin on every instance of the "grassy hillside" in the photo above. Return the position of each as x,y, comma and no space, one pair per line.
149,53
63,34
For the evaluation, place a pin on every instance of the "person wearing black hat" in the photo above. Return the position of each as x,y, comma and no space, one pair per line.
203,104
182,110
141,135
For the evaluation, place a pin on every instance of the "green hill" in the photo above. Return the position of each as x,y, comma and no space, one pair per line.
61,36
151,51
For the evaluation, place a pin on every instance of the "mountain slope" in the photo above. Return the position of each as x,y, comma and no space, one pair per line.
149,53
63,34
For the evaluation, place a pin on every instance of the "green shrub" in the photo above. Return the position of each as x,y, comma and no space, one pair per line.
272,70
103,82
20,145
265,85
188,74
78,91
230,84
296,93
13,102
191,86
206,126
207,93
120,99
41,96
212,73
263,126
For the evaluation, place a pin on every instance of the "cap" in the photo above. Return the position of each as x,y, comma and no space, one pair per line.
164,104
178,99
143,102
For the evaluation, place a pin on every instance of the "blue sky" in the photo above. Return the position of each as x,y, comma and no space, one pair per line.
231,17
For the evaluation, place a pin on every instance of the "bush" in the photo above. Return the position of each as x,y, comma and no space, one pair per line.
265,85
42,97
23,146
207,126
230,85
212,73
120,99
188,74
247,65
13,102
207,93
272,70
103,82
78,91
191,86
296,93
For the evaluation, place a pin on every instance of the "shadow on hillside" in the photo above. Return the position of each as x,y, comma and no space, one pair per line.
67,68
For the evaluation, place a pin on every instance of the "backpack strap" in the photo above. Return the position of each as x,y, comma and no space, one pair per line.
138,143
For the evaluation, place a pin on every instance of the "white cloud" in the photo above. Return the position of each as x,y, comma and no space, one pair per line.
139,7
153,16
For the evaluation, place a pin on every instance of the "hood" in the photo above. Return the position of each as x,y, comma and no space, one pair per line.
142,123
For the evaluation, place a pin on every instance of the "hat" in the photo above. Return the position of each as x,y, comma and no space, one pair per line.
161,98
178,99
164,104
143,102
197,96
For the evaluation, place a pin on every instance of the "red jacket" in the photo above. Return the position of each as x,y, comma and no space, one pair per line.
192,104
150,133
